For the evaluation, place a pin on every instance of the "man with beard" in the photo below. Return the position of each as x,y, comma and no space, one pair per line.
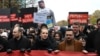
19,41
70,43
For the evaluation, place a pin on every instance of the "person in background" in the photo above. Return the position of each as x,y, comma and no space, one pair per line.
80,36
36,32
23,31
62,30
88,28
58,37
51,32
32,31
76,29
4,35
70,43
43,10
1,30
51,35
31,38
95,27
81,28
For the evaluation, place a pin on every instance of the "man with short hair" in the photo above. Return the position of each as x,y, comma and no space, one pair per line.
76,29
70,43
19,41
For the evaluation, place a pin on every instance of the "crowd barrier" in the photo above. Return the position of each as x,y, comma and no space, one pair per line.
45,53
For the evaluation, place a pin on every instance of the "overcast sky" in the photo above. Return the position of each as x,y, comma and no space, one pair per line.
62,7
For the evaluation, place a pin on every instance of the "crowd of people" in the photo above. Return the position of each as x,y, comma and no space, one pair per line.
78,38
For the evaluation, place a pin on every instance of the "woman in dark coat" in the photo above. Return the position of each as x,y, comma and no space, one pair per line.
43,42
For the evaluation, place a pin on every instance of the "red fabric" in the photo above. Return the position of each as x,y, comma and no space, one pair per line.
45,53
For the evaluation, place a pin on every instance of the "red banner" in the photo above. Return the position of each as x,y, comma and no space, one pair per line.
27,18
4,18
13,17
81,17
45,53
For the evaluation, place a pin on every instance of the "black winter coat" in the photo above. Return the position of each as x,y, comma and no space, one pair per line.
93,41
44,44
19,44
3,44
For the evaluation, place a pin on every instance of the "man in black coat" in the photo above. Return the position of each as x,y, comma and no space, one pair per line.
93,40
19,41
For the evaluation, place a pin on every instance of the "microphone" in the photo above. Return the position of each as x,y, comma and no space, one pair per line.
22,50
29,50
9,51
50,51
56,51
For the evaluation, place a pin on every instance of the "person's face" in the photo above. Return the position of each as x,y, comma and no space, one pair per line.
57,36
31,29
42,5
75,28
98,24
81,28
69,35
53,32
16,33
44,34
